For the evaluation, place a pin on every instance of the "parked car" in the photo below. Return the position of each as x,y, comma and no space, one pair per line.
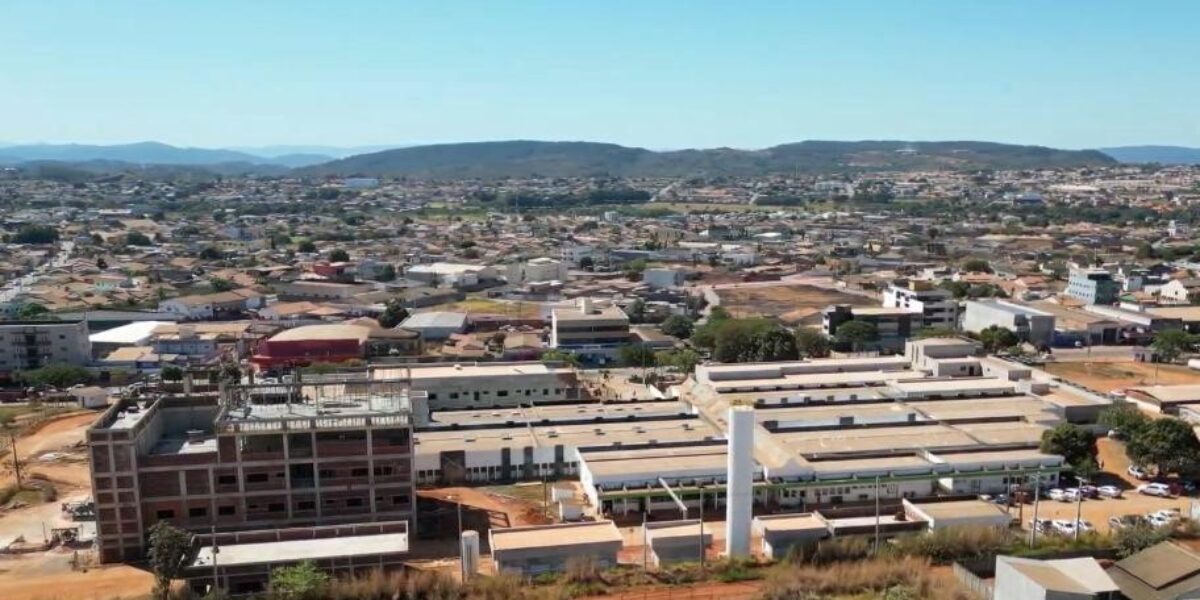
1041,525
1073,495
1158,520
1138,472
1089,491
1125,521
1109,491
1161,490
1057,494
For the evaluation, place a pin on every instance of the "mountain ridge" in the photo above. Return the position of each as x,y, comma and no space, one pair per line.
515,158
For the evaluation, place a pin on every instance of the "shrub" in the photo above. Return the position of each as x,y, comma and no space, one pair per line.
872,576
957,543
1131,540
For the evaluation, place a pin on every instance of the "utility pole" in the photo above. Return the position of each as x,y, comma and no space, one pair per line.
876,551
1078,506
12,446
1037,496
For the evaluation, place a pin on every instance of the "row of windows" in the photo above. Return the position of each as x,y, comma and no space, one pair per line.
197,512
499,393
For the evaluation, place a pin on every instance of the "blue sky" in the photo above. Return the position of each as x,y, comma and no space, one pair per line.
659,74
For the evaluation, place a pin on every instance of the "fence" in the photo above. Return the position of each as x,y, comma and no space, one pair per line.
975,577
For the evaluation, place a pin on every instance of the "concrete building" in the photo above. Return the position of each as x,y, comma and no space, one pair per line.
28,345
1180,291
220,305
1030,325
486,385
663,278
676,541
937,306
337,342
266,456
436,325
895,325
537,270
537,549
1165,571
321,290
591,332
456,275
1065,579
1093,286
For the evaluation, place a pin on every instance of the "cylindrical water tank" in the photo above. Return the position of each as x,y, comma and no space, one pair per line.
470,554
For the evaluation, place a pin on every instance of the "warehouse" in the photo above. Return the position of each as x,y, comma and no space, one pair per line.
540,549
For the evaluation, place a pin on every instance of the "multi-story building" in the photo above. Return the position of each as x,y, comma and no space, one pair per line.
484,385
1031,325
590,332
936,305
537,270
895,325
262,457
32,344
1093,286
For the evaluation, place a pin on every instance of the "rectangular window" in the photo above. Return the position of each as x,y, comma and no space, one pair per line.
226,479
226,510
306,505
358,472
197,512
276,507
165,514
256,477
354,502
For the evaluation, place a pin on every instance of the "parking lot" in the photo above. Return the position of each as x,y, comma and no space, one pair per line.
1098,511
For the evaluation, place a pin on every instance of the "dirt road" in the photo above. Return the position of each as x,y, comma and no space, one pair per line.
109,583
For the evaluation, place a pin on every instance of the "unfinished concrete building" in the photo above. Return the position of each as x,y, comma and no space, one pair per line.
261,457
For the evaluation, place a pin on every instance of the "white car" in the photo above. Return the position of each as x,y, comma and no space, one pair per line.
1072,495
1109,491
1137,472
1161,490
1057,494
1168,514
1157,520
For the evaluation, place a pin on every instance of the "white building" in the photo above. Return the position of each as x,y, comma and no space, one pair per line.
445,274
1065,579
537,270
937,306
1030,324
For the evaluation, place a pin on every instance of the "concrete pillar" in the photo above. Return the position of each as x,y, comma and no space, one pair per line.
739,494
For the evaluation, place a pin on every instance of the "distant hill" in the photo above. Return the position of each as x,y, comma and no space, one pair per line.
138,153
1165,155
564,159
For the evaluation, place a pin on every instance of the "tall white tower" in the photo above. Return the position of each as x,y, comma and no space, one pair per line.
739,490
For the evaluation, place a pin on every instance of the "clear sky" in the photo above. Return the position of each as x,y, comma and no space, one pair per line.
659,74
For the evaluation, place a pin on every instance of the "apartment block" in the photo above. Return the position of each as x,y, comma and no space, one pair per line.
261,457
34,344
590,331
1093,286
937,306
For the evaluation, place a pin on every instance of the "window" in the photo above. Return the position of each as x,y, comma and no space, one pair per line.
276,507
197,512
354,502
256,477
165,514
433,396
400,499
226,510
358,472
226,479
327,474
384,470
306,505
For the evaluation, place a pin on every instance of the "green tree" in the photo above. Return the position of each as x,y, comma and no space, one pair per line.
220,285
856,333
59,376
35,234
1168,444
387,273
977,265
634,269
811,343
32,310
303,581
137,238
169,545
995,338
685,360
393,314
774,344
587,263
1131,540
1125,418
563,356
636,355
1071,442
171,373
935,332
636,311
306,246
339,255
678,326
1169,345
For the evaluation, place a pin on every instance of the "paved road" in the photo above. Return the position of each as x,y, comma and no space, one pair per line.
12,288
